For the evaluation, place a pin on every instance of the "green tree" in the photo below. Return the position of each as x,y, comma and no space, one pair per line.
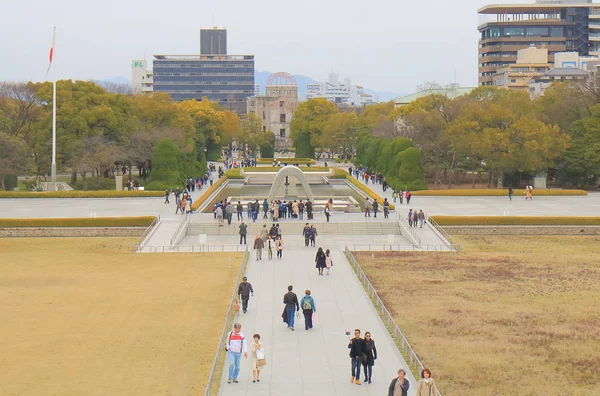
308,125
410,174
267,149
167,166
13,155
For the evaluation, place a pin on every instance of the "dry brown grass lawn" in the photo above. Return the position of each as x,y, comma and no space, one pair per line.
86,317
507,316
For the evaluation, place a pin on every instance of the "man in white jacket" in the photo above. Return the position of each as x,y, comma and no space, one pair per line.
235,346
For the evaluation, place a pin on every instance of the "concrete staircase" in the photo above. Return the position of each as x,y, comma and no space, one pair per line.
296,227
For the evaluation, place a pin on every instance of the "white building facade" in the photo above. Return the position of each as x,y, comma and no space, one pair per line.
142,79
340,93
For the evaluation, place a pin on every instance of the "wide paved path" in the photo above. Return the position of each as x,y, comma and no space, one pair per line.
313,362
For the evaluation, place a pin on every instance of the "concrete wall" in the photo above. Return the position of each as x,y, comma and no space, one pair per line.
27,232
523,230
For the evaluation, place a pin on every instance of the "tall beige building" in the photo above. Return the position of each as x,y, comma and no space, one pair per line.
531,62
277,107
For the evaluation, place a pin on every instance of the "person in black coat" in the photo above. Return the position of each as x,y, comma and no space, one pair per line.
370,356
399,385
320,259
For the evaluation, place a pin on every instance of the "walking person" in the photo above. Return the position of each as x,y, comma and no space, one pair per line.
327,212
301,210
510,193
410,217
243,232
249,210
386,209
421,217
270,248
265,206
229,213
401,196
375,208
408,196
219,214
291,306
239,209
258,246
235,346
357,350
426,385
399,385
367,208
328,261
258,358
528,193
309,210
244,290
264,233
394,195
279,247
308,309
320,259
371,356
313,235
306,232
167,193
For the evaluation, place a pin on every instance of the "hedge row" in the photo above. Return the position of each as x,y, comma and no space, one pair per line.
342,174
514,220
196,203
80,194
286,160
142,221
482,192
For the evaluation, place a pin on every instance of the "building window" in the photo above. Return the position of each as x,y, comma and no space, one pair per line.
510,31
264,128
264,115
557,32
281,103
537,31
281,117
282,133
512,80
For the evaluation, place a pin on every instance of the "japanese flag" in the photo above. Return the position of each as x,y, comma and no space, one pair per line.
51,54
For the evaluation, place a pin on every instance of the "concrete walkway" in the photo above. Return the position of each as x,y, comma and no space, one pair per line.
313,362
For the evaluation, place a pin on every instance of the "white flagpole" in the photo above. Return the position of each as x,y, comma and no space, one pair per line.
53,168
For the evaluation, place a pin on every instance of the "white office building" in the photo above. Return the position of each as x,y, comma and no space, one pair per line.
142,79
340,93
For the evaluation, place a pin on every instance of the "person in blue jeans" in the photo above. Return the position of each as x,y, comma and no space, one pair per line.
357,351
291,307
235,346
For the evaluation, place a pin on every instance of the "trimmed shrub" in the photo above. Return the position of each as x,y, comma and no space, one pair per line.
235,173
482,192
269,161
367,191
167,165
10,182
514,220
267,150
303,146
80,194
142,221
196,203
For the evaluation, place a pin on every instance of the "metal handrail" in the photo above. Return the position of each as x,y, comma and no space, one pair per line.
177,235
443,234
205,248
220,348
412,233
387,317
147,234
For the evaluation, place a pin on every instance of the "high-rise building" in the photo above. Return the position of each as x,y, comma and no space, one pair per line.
557,25
227,79
213,41
277,107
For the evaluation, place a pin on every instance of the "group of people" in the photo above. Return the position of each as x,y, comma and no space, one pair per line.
416,218
401,195
310,235
183,201
267,239
375,206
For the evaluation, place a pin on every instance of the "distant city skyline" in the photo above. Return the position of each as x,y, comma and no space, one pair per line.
383,45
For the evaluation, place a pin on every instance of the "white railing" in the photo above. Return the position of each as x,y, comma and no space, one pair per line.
193,249
180,231
374,247
385,314
442,234
220,349
147,234
416,239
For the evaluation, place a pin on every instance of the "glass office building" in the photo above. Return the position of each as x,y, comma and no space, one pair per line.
226,79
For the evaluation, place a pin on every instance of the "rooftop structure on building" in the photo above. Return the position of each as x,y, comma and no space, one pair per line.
142,79
539,84
277,107
558,26
340,93
226,79
531,62
451,91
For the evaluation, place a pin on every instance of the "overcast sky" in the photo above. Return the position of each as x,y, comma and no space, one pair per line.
385,45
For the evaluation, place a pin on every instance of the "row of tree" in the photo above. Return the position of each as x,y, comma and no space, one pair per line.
100,132
502,133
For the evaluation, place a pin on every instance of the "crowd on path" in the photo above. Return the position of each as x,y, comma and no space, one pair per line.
362,351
